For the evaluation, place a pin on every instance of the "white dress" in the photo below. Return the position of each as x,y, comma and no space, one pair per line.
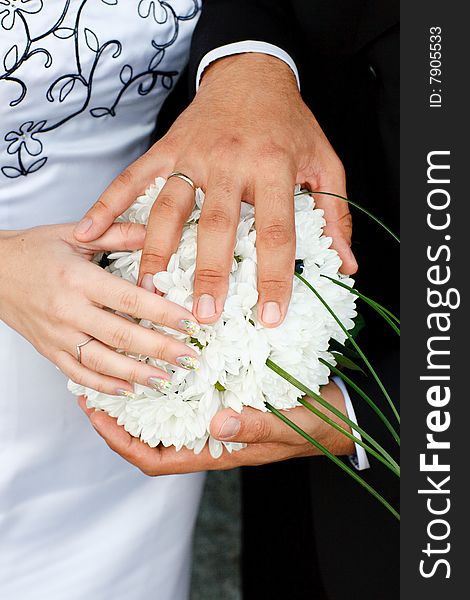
81,83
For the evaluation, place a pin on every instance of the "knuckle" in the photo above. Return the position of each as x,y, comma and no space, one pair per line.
122,339
260,430
163,317
68,277
129,302
337,167
160,351
125,177
273,286
167,205
93,361
273,153
60,311
134,374
228,144
125,229
224,184
275,235
215,219
209,276
151,256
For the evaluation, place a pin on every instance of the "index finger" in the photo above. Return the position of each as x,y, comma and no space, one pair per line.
120,194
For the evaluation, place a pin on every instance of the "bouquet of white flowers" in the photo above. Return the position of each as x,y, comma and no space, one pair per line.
240,360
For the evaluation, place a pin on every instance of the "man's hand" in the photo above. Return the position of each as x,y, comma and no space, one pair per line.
268,438
247,135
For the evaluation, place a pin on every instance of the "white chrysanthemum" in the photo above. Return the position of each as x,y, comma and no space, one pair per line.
234,350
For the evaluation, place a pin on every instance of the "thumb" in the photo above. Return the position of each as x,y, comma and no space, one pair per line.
249,426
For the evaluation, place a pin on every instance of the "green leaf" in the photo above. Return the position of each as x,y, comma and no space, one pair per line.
335,346
359,324
346,362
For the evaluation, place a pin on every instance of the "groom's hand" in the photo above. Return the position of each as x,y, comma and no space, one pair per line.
247,135
268,438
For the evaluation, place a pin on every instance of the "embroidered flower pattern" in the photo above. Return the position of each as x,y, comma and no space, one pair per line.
24,142
25,138
11,8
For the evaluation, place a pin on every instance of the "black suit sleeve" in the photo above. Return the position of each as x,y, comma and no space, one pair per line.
227,21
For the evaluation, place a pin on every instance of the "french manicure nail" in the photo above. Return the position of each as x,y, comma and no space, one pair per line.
206,306
147,283
159,384
126,393
188,362
83,226
190,327
271,313
229,428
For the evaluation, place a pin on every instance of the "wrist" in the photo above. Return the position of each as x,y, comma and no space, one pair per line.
252,67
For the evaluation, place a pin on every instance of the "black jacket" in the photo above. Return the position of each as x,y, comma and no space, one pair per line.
333,541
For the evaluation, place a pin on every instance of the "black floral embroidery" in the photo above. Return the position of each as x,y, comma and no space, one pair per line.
24,143
10,9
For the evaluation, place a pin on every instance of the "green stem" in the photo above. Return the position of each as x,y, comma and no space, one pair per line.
358,206
375,305
389,461
392,466
363,395
353,342
334,459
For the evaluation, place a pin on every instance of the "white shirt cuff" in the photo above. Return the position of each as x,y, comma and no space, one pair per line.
359,460
241,48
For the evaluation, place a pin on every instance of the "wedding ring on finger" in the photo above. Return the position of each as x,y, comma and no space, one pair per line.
80,346
183,177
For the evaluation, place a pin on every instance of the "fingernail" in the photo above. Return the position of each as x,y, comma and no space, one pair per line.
159,384
147,283
271,313
229,428
190,327
84,225
125,393
188,362
206,306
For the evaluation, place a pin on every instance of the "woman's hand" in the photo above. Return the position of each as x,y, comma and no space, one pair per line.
268,438
56,298
246,135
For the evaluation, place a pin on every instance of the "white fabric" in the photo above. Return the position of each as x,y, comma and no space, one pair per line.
359,460
76,521
241,48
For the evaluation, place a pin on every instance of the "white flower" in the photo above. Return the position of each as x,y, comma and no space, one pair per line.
233,351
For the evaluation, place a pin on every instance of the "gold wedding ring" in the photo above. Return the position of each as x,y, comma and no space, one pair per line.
183,177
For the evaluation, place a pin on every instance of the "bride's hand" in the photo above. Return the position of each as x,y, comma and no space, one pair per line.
247,134
268,438
56,298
